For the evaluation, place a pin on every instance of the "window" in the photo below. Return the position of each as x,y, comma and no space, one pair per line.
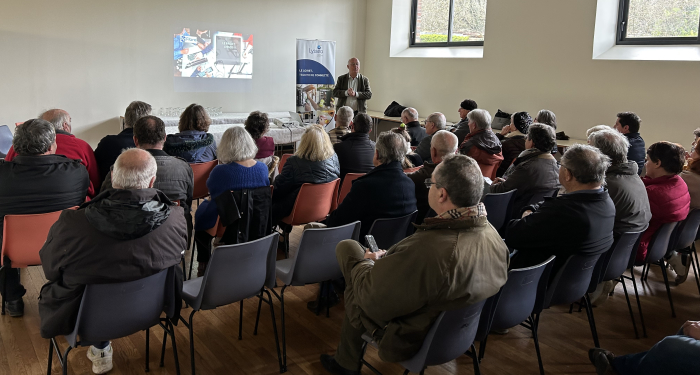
446,23
658,22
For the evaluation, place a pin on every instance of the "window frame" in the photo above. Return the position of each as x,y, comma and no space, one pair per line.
622,39
449,43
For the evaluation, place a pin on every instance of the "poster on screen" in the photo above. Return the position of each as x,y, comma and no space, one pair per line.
212,54
315,80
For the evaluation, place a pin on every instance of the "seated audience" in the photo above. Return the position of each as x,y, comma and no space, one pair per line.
112,145
409,117
192,143
258,124
481,143
461,129
355,150
668,194
343,118
547,117
578,222
696,133
453,260
35,182
534,171
677,355
597,128
434,123
125,234
512,139
174,176
237,170
315,162
69,146
384,192
412,159
679,262
442,144
628,124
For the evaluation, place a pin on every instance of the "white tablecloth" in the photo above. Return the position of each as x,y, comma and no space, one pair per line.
278,134
226,118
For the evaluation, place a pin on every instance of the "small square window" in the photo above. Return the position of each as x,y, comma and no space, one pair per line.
448,23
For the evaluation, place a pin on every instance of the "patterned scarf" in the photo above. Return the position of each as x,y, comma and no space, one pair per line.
462,213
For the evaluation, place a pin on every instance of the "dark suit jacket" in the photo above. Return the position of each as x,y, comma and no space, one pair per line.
637,151
355,153
109,149
364,93
384,192
416,132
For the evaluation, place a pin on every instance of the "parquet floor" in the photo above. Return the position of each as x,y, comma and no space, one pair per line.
564,338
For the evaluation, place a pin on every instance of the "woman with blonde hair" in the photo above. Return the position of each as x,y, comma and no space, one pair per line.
314,162
192,143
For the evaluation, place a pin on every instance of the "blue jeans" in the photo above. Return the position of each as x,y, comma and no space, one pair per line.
678,355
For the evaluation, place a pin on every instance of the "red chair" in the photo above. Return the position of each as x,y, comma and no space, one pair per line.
19,123
490,170
23,237
201,173
347,184
282,161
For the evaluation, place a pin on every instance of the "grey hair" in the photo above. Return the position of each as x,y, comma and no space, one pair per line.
236,145
57,117
344,115
596,128
461,176
134,169
481,117
612,143
444,143
411,113
34,137
586,163
547,117
542,137
438,119
135,111
391,147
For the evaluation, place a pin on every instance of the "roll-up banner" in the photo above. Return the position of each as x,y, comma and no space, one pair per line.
315,81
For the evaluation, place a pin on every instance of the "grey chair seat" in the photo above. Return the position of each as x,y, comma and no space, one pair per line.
285,270
191,288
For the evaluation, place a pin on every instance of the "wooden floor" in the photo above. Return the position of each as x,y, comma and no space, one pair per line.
564,338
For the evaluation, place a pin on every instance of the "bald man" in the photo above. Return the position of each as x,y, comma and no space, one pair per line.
352,89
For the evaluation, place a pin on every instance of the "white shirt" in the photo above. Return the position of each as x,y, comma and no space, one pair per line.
351,100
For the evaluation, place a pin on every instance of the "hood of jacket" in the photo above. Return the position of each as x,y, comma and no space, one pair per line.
630,168
485,139
128,214
187,141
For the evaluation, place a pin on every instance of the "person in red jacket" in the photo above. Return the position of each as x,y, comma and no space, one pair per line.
669,199
70,147
482,144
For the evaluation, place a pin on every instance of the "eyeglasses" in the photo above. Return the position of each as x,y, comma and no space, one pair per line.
428,182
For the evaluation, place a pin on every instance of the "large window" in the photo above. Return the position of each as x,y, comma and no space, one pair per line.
447,23
658,22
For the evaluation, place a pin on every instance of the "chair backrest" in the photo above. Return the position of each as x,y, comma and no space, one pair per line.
658,246
19,123
316,261
282,161
313,203
200,172
24,236
571,281
235,272
538,197
451,335
5,139
685,232
498,208
111,311
388,232
616,261
347,184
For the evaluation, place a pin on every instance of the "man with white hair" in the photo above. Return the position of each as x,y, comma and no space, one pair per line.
409,117
69,146
352,89
343,118
434,123
481,143
124,234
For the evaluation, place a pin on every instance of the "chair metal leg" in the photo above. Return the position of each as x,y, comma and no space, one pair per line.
696,265
283,365
646,274
4,288
257,318
534,323
475,360
482,348
191,328
639,303
172,336
406,372
668,288
65,360
591,319
148,346
162,350
284,329
629,307
240,321
48,367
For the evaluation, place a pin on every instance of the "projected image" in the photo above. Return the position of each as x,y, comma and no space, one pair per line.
213,54
316,102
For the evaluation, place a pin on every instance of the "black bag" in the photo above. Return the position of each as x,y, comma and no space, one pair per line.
500,120
394,110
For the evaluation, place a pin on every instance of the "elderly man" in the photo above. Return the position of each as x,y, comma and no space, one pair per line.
461,129
384,192
453,260
111,146
352,89
174,175
124,234
442,144
69,146
481,143
409,117
355,150
578,222
434,123
343,118
36,181
628,124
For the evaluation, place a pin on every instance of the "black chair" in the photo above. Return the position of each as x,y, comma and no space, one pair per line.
514,303
689,248
656,251
451,335
498,207
112,311
539,196
388,232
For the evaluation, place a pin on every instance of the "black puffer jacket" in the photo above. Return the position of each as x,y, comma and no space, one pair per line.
192,145
296,172
355,153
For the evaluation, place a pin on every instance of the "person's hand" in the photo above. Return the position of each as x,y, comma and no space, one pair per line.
498,180
374,256
526,213
185,51
505,130
692,329
351,92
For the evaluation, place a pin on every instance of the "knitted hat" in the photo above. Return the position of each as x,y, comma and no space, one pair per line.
468,104
522,121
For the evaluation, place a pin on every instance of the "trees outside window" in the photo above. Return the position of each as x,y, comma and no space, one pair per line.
658,22
448,23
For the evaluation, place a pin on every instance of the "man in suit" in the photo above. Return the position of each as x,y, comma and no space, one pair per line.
352,89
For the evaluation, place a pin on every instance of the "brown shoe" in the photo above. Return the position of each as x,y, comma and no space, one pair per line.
201,267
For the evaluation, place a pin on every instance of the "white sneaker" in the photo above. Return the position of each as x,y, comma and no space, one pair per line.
101,359
681,270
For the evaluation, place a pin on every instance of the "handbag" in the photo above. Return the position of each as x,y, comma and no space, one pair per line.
394,110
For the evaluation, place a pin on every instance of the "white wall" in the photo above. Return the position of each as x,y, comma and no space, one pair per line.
94,57
537,55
